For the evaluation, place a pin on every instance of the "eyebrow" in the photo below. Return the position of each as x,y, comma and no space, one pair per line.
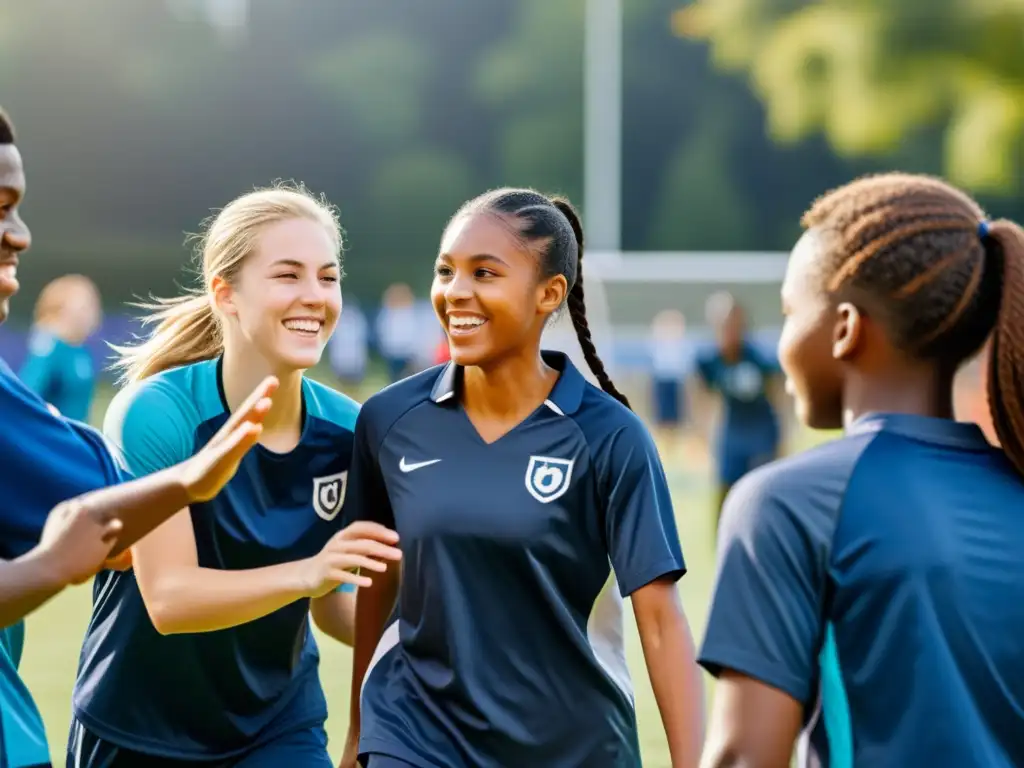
300,265
478,258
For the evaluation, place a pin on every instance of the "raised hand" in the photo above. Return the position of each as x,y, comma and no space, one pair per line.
361,545
206,473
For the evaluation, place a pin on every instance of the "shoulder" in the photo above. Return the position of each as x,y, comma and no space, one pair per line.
383,410
41,342
331,405
802,493
164,409
615,435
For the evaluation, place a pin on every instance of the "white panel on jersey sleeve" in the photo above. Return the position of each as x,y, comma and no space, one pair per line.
388,640
605,632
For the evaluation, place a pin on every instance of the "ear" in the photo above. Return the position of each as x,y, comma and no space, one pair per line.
223,296
551,294
848,331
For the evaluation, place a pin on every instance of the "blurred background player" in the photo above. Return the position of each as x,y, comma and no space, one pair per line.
670,362
747,431
543,573
348,349
870,595
60,367
399,333
204,650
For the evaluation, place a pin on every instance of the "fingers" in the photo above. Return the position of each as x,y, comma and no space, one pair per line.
342,576
235,445
365,547
253,410
364,529
111,530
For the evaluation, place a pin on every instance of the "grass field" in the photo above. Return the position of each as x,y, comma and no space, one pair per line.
55,632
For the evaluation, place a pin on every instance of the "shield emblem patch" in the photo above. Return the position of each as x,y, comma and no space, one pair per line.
548,478
329,495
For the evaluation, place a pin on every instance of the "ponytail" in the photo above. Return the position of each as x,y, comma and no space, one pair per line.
578,308
1004,242
187,331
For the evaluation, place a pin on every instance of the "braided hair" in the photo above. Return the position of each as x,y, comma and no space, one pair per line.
553,227
920,256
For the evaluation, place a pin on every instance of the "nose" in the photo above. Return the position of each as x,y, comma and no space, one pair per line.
15,236
459,288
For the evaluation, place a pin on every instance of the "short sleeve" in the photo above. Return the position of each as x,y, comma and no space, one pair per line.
151,426
765,618
367,497
44,460
640,525
768,361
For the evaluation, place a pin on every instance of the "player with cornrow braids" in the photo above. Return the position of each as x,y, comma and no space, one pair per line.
529,504
870,595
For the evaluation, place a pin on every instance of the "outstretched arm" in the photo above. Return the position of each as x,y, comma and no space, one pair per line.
80,534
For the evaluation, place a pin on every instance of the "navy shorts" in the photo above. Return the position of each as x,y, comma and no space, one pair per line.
734,464
297,749
668,411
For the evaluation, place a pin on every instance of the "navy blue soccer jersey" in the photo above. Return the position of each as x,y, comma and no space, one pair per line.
507,644
216,694
748,416
878,581
44,460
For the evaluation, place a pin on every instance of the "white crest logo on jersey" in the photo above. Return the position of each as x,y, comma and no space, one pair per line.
329,495
548,478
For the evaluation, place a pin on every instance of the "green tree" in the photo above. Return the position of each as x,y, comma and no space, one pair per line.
871,74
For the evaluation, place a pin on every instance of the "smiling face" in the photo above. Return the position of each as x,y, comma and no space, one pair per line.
286,299
14,235
488,292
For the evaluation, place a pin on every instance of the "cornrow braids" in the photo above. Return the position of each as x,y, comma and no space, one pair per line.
553,228
919,255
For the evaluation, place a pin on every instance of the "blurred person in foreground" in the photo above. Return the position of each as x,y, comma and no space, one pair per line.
204,650
530,505
59,367
51,463
740,374
869,602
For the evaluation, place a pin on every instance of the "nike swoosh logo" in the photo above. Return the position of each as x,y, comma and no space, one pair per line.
405,467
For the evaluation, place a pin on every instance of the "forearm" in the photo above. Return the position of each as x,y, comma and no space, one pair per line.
334,615
678,688
373,607
25,584
191,599
142,505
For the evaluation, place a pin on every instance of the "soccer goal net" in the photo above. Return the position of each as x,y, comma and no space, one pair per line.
626,291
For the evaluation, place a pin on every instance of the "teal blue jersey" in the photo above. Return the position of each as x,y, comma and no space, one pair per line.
62,374
24,741
216,695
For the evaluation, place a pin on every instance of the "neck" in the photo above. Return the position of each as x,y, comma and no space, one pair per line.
915,391
243,370
509,387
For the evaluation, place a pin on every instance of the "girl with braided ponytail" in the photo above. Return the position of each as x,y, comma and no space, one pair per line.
529,504
870,592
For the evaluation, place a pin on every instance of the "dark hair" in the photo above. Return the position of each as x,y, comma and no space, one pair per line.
552,226
6,128
920,255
